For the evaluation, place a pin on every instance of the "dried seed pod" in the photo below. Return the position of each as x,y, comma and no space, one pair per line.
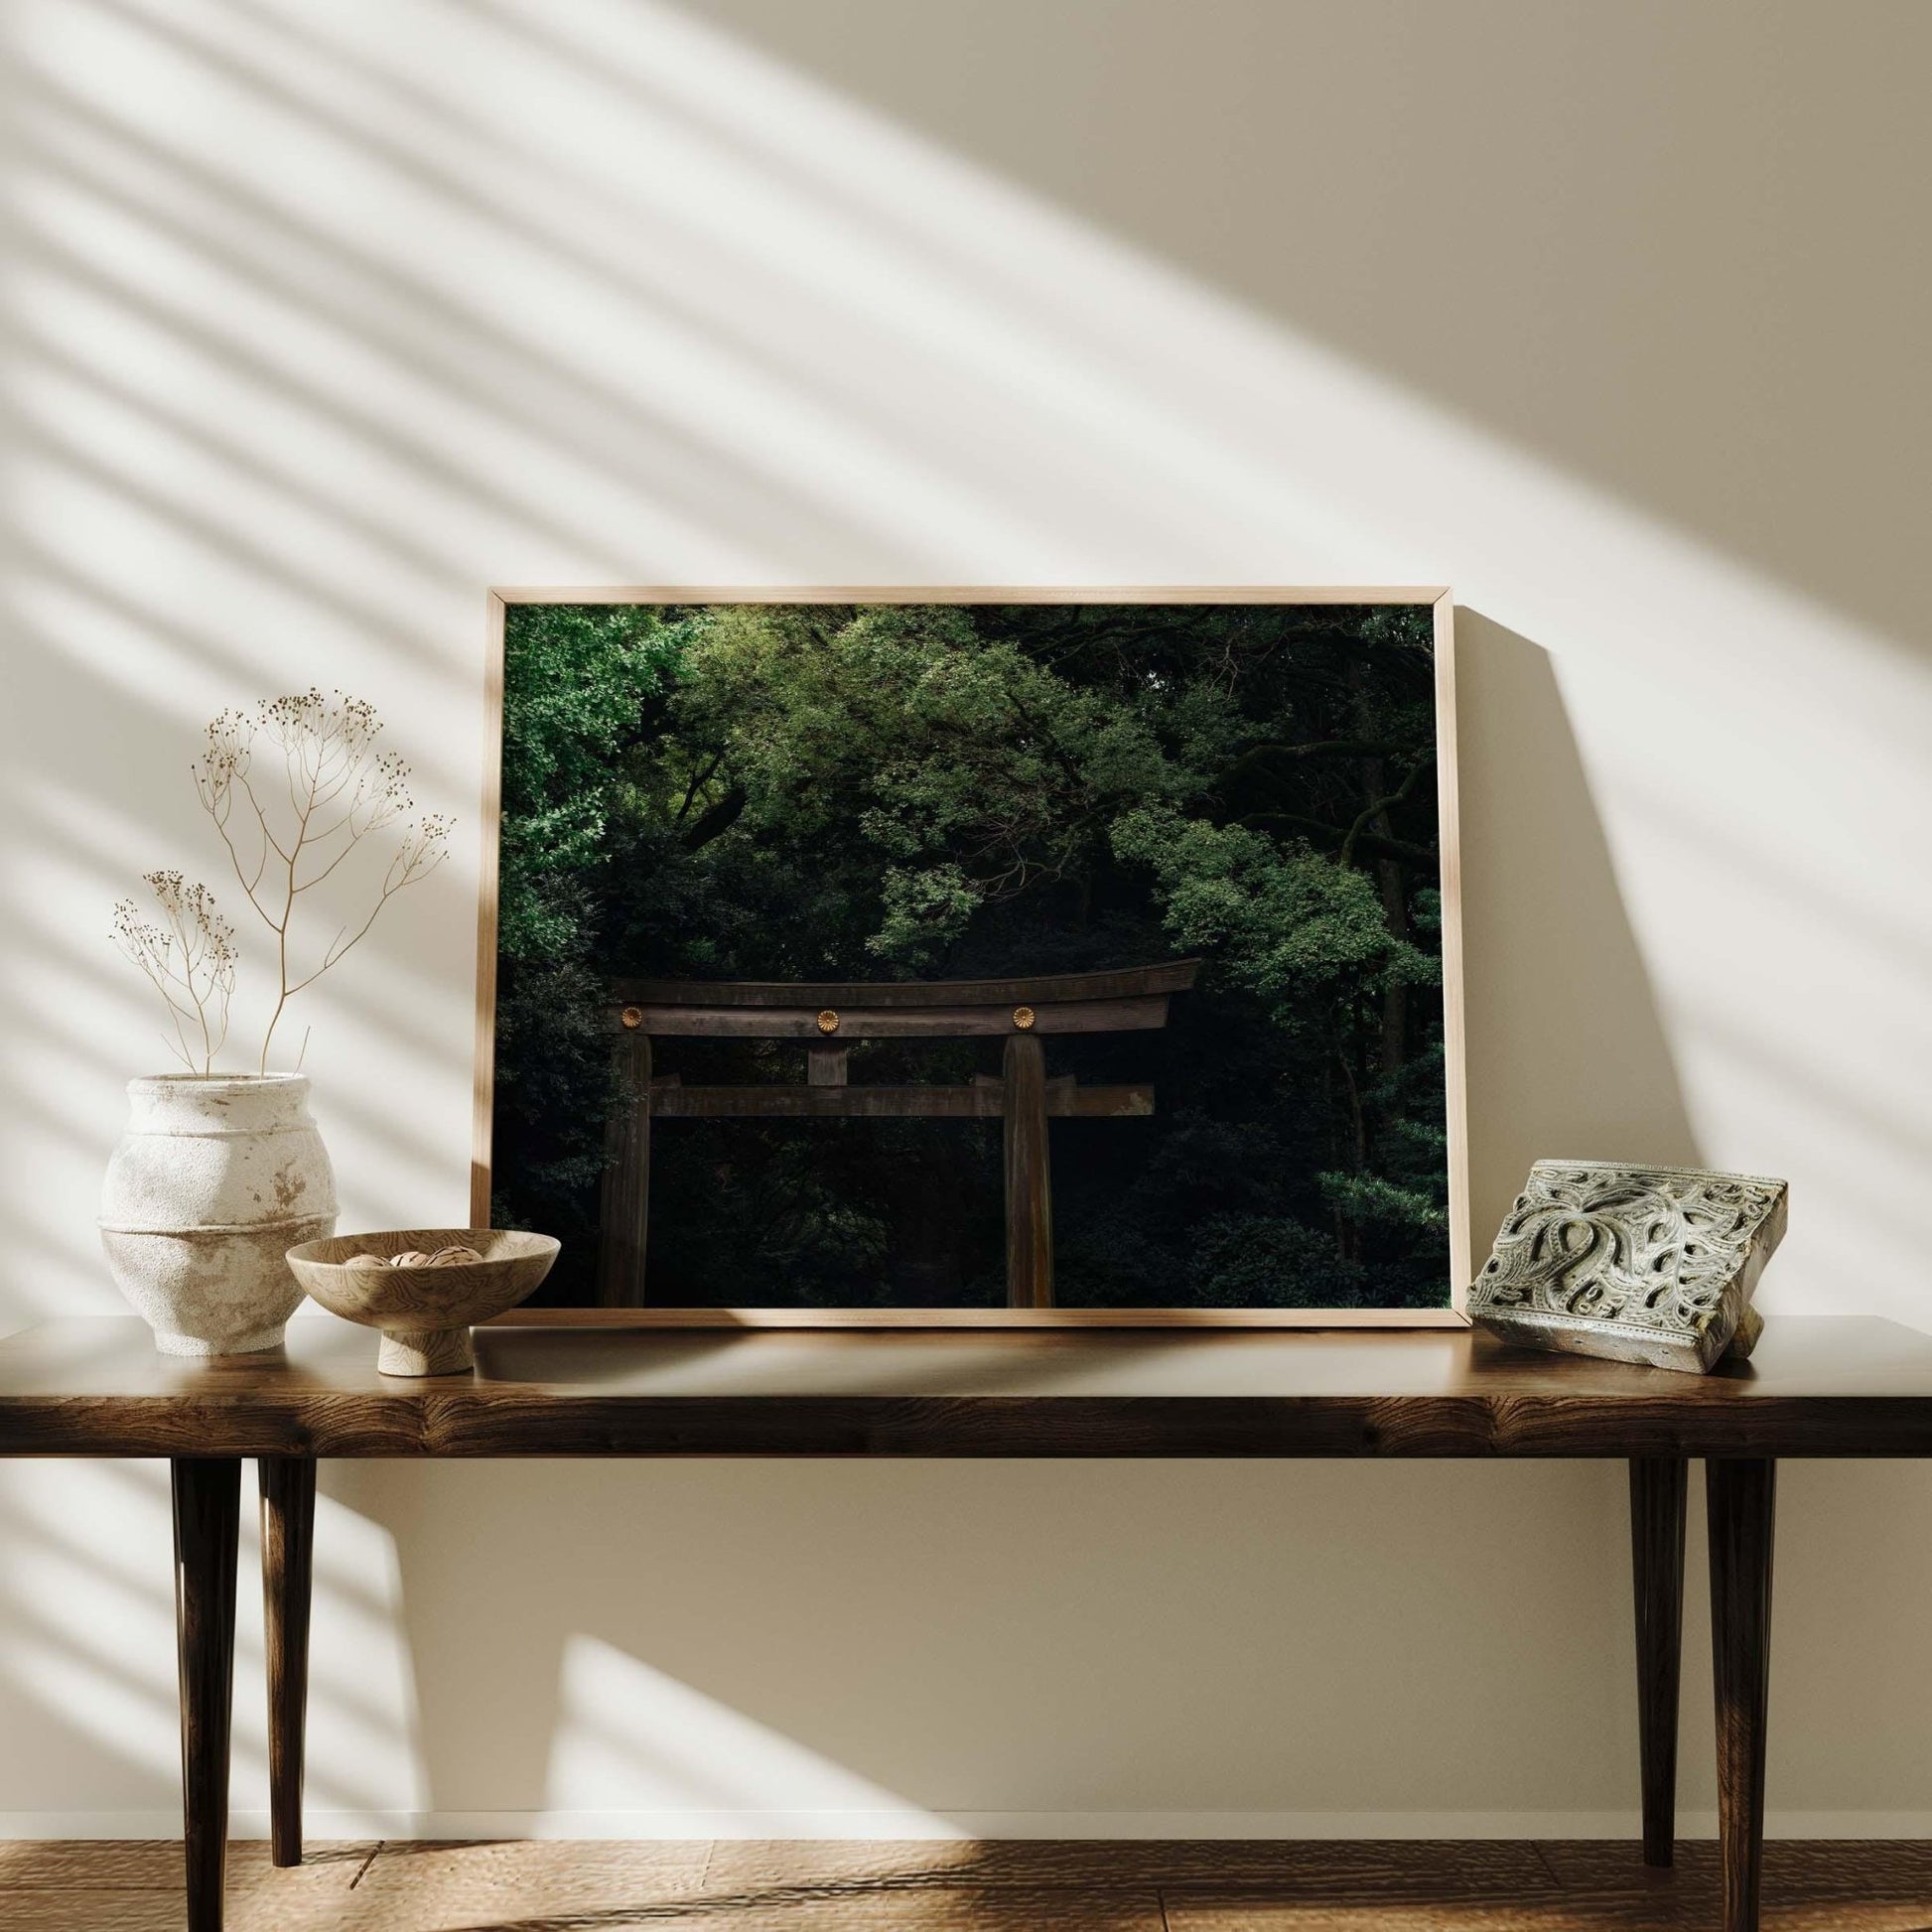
455,1257
366,1261
409,1258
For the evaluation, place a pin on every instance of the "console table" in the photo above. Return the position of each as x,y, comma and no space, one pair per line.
548,1385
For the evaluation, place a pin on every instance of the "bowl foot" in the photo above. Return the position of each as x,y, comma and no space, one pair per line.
167,1343
425,1351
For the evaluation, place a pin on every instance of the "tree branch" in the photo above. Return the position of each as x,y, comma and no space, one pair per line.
1368,841
1378,806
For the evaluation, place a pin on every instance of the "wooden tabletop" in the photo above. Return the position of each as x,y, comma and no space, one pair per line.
1817,1387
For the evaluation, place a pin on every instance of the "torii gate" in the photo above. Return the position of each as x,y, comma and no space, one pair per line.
829,1017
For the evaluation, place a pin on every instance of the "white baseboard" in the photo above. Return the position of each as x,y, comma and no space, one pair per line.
912,1825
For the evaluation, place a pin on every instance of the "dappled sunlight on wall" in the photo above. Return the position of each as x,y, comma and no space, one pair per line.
630,1740
997,1649
1661,246
86,1630
324,318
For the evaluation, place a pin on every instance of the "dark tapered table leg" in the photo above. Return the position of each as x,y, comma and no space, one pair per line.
1741,1497
208,1522
1658,1487
288,1486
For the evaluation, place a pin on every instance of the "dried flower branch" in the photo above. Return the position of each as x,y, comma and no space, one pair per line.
190,954
288,824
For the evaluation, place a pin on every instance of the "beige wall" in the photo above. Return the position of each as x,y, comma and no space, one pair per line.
1615,318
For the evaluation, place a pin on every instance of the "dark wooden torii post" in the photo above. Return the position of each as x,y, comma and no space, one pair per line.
828,1017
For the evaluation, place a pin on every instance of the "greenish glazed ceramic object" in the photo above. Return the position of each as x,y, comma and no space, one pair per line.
1638,1264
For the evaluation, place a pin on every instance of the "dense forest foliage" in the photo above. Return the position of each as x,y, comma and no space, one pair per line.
934,792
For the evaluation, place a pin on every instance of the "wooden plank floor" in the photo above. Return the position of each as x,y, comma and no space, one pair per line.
1020,1886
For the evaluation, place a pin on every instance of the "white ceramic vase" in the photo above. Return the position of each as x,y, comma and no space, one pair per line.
215,1178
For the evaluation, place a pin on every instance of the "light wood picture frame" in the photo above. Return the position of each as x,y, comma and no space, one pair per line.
1436,600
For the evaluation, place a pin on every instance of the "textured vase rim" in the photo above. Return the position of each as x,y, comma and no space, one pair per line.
214,1082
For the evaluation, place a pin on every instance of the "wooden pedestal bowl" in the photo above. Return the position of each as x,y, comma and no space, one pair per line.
424,1313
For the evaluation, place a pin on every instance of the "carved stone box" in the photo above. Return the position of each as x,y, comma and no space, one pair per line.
1641,1263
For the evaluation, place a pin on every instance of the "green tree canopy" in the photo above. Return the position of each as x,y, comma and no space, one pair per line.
798,791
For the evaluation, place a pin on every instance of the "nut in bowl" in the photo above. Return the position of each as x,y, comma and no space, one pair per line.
424,1287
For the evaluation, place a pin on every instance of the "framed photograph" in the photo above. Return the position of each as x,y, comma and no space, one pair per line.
942,957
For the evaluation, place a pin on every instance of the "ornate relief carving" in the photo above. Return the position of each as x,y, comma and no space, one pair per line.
1641,1264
